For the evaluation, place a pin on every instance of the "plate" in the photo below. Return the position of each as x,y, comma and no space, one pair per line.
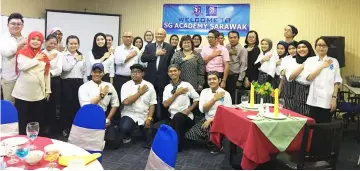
48,169
14,168
247,106
272,116
269,104
254,117
14,140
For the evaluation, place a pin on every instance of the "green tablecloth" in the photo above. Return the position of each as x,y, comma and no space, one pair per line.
281,132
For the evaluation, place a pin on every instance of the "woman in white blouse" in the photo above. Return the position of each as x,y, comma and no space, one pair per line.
324,74
100,54
74,74
210,99
33,84
56,61
139,43
296,87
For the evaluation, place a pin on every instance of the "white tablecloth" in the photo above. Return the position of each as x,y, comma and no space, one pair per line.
70,149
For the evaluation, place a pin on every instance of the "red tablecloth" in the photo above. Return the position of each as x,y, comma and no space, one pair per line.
40,143
235,126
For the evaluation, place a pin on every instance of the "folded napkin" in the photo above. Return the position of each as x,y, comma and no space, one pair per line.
64,160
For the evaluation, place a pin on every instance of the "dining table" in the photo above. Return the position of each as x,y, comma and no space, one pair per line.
260,138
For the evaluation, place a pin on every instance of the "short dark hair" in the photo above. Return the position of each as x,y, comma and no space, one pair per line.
142,42
222,34
51,36
217,74
73,37
215,32
109,35
234,31
257,37
174,35
324,39
186,38
15,16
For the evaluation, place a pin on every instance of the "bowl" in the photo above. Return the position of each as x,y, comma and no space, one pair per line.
34,157
52,148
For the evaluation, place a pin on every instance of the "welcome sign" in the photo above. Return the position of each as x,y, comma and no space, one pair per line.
200,18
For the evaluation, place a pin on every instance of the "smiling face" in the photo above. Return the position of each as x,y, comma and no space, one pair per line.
100,41
186,45
160,35
138,43
302,50
97,74
15,26
292,50
59,35
149,36
280,49
264,45
127,38
72,45
211,39
221,40
109,41
321,47
174,41
251,39
51,44
136,74
213,81
196,41
174,73
35,42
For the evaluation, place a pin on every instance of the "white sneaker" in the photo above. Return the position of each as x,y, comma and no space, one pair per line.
125,141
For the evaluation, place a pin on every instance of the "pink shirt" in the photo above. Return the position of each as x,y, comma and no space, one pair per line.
217,63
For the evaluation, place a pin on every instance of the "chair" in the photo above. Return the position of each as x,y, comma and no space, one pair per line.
164,150
9,119
88,129
322,152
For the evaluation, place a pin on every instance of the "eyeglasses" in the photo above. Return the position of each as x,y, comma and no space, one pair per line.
322,45
16,24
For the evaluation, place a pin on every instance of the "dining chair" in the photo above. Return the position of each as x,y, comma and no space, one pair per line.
88,129
321,153
164,150
9,119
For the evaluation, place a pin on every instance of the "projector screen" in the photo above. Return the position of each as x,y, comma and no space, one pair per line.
84,25
30,24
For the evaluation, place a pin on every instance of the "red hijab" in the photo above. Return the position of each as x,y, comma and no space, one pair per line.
30,52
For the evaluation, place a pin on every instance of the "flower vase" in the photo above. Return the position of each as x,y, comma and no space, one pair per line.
261,107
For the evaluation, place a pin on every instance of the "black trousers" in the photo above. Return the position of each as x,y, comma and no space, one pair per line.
320,115
231,85
30,112
69,101
127,126
50,107
206,85
181,124
161,112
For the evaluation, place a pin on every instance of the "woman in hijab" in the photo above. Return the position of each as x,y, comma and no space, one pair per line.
100,54
148,37
296,89
267,61
139,43
33,84
174,42
196,38
59,35
282,52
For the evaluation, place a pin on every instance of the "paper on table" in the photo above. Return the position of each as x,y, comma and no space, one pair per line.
281,132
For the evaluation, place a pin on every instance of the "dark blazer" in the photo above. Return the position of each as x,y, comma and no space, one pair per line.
159,78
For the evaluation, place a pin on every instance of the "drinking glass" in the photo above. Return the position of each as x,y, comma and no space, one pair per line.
52,153
23,149
245,100
11,152
32,131
281,103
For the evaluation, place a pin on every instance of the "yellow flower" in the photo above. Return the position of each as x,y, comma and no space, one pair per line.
266,87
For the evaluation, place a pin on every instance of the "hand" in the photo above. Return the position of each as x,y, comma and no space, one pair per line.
238,83
142,89
104,90
39,56
216,53
107,55
206,124
247,83
112,50
147,123
47,96
218,95
278,62
107,122
160,52
223,84
60,48
186,111
333,105
266,58
181,91
326,63
79,57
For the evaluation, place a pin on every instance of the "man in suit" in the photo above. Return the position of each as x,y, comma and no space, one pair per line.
158,56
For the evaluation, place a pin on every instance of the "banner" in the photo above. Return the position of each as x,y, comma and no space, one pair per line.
200,18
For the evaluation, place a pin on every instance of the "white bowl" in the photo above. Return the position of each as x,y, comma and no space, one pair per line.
52,148
34,157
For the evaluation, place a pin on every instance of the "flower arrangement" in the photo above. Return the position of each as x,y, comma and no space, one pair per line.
264,89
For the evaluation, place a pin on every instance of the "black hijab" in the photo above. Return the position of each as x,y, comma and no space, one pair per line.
311,53
197,35
286,48
293,43
97,51
269,43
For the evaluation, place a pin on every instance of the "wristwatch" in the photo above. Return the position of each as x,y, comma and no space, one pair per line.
334,97
102,95
150,118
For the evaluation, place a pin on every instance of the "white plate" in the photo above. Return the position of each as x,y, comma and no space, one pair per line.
247,106
14,141
14,168
47,169
254,117
272,116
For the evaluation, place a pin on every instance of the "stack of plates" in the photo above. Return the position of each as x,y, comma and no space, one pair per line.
272,116
247,106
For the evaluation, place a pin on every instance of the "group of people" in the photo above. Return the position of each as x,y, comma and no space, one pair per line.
149,83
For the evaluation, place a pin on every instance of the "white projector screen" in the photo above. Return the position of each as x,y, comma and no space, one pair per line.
84,25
